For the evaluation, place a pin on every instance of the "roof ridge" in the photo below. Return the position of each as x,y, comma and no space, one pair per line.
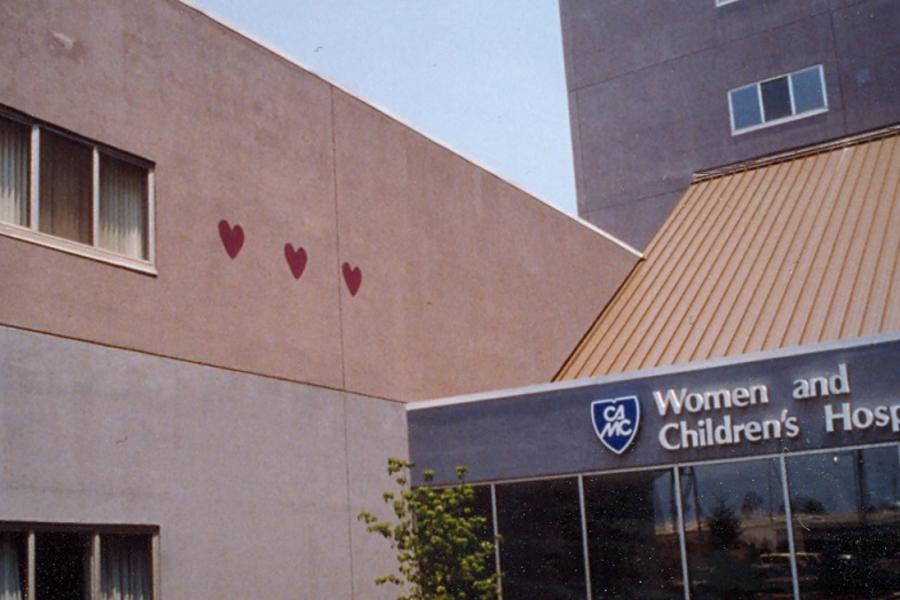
799,152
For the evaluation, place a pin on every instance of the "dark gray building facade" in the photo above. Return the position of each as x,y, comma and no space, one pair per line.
650,91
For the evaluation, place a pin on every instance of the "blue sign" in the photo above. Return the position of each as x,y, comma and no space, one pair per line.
616,421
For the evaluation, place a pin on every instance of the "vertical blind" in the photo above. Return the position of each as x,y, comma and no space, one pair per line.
125,570
123,193
10,569
14,172
65,189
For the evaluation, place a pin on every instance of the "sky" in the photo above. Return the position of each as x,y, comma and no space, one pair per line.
483,77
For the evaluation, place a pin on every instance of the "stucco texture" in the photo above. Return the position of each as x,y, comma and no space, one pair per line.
467,282
254,483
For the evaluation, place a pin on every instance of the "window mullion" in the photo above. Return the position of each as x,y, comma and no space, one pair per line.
95,196
30,553
790,80
762,107
94,584
154,566
34,179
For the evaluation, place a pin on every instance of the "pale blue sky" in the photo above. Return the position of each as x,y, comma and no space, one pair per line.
484,77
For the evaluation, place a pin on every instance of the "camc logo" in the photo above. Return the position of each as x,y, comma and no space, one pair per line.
616,421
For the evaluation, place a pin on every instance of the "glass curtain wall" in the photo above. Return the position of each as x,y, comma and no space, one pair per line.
845,518
632,528
735,530
541,552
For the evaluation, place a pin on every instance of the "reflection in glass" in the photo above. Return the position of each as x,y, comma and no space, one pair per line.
745,107
481,506
846,513
541,547
632,527
735,530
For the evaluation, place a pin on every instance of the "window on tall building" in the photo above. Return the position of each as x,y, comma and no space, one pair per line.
64,191
778,100
46,562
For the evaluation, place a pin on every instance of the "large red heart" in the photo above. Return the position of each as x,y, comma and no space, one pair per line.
232,237
296,259
352,277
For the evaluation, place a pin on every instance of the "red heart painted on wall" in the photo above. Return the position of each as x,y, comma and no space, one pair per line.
352,277
296,259
232,237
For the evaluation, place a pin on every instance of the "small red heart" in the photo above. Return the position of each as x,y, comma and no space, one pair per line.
296,259
232,237
352,277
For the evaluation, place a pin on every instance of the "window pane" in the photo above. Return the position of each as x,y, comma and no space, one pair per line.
12,566
15,144
123,207
846,511
807,90
633,535
125,567
65,189
481,506
541,550
735,530
61,566
745,107
776,98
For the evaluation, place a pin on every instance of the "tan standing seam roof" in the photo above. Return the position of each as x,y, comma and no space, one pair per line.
804,248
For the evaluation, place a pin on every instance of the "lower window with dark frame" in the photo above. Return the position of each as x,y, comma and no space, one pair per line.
73,562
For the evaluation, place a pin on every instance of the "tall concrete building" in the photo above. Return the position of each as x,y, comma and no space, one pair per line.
222,277
659,90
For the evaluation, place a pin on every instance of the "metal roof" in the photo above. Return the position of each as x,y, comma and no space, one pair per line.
800,249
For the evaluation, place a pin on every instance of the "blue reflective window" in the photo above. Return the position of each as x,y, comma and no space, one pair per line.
778,99
745,107
808,92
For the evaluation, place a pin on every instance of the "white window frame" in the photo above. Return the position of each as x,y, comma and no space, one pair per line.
794,116
724,2
93,533
31,231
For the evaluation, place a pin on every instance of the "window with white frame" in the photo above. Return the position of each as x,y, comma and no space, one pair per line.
47,562
778,100
65,191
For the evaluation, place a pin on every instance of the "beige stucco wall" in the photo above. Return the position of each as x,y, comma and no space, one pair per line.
468,283
254,483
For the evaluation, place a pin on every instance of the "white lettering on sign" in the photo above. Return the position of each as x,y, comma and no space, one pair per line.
821,386
617,424
681,435
695,402
862,418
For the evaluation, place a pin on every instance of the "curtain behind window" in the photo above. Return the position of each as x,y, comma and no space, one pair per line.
123,193
125,567
65,192
14,172
10,571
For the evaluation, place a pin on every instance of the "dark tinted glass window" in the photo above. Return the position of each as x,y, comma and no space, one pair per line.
735,530
61,566
776,98
633,535
541,548
745,107
846,511
482,507
808,92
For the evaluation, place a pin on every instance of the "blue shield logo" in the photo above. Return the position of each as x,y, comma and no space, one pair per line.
616,421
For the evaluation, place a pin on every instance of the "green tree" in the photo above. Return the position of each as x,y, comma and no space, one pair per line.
443,548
